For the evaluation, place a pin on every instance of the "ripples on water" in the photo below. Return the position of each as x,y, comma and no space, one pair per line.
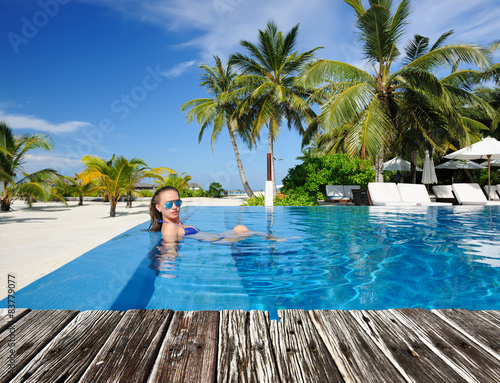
337,258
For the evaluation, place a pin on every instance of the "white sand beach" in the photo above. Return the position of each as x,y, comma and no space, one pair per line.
36,241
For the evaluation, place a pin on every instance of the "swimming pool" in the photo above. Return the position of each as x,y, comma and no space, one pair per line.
343,257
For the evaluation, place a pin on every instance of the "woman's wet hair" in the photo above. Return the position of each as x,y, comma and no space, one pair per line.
155,214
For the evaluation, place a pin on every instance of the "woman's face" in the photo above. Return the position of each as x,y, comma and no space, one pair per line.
166,196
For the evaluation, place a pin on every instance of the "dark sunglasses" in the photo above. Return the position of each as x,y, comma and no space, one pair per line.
169,204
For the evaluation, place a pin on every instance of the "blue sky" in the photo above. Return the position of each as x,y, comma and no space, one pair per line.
103,76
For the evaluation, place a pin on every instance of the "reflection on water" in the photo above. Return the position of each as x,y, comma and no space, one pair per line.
337,258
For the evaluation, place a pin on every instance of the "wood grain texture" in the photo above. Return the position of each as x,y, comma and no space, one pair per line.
189,350
301,355
413,359
480,326
460,352
31,333
6,318
69,354
131,349
357,356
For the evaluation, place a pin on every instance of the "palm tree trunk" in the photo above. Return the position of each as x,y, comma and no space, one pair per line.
4,202
112,209
129,199
240,165
413,160
80,199
379,167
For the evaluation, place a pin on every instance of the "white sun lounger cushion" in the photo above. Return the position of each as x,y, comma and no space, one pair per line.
335,192
417,193
443,192
471,194
493,192
385,194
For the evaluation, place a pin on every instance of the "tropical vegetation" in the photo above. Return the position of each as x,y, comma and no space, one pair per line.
16,183
116,176
368,114
218,110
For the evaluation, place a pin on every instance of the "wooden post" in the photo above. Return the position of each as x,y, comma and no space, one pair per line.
269,175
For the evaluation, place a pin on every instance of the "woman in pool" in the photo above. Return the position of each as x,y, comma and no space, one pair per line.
164,211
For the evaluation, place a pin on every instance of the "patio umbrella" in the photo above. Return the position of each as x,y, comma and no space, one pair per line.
488,148
429,174
397,163
460,164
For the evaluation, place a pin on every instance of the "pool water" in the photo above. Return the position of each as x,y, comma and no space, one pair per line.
343,257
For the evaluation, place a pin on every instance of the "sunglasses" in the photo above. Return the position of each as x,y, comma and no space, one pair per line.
169,204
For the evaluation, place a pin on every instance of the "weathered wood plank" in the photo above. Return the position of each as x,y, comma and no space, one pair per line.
69,354
481,327
300,353
6,318
494,314
355,353
130,351
30,334
189,350
454,348
263,358
245,349
413,359
233,360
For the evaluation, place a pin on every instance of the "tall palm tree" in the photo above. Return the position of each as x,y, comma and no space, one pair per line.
29,187
377,105
218,111
114,175
269,78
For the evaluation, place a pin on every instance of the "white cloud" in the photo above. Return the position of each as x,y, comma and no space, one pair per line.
17,121
221,24
59,162
178,69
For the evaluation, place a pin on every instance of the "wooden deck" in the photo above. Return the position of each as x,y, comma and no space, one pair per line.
404,345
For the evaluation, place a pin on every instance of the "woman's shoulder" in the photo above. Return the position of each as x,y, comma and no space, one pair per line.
170,228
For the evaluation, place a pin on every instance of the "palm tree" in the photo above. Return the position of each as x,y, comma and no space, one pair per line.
269,79
114,176
178,181
376,106
30,187
138,172
77,186
218,111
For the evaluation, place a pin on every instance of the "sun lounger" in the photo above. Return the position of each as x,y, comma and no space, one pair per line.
494,196
471,194
386,194
444,193
335,193
417,193
340,192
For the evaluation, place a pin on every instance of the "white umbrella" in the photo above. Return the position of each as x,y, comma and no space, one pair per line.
397,163
488,148
492,163
429,174
460,164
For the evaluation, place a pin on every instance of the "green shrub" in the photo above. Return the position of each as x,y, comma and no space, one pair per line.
146,193
255,201
215,190
311,177
288,200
